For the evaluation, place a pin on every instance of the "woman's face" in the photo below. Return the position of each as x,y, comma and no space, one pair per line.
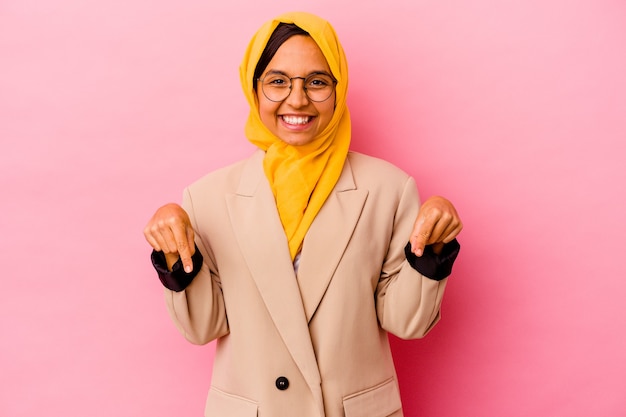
296,120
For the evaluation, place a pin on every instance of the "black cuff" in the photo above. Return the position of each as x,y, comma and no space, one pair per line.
176,279
430,264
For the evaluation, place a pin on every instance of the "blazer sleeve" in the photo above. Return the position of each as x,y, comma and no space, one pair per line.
198,311
407,302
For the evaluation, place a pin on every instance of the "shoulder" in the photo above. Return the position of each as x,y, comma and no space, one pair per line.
366,167
390,190
227,177
385,183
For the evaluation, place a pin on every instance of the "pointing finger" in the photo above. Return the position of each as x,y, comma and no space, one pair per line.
421,235
184,247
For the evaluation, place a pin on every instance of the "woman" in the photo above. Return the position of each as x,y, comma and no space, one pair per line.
300,259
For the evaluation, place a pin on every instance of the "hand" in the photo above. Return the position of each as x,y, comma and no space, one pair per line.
170,231
437,223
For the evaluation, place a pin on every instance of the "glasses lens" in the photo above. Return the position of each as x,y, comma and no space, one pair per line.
318,87
276,87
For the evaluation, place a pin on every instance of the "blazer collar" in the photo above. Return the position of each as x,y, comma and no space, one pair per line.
328,238
264,245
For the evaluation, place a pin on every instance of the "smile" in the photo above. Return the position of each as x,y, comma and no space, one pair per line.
296,120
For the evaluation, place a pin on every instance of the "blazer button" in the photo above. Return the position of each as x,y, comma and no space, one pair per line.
282,383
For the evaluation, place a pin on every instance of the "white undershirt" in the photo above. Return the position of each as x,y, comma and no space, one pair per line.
296,263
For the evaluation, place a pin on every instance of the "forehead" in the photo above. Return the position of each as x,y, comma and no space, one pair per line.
298,55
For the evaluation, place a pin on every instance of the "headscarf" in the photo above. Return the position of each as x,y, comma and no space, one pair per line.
301,177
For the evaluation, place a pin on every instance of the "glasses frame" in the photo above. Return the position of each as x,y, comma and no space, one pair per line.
306,91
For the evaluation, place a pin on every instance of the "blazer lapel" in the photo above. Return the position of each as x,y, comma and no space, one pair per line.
328,238
262,241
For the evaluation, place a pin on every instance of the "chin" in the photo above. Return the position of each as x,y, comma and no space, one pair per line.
296,141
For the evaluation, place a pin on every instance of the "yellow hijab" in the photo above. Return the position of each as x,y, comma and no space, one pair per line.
301,177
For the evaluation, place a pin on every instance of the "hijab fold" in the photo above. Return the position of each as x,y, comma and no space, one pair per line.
301,177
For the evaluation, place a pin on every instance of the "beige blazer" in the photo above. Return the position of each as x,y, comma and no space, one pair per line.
311,344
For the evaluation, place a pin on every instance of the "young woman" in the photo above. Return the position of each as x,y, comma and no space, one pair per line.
300,259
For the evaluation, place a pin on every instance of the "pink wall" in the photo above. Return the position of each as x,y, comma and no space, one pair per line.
514,110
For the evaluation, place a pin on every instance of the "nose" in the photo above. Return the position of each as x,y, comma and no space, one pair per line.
297,95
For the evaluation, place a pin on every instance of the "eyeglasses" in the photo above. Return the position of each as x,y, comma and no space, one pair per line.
318,86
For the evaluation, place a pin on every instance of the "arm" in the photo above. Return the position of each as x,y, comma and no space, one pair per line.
194,298
408,301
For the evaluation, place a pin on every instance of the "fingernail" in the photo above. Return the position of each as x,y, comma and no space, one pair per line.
188,269
418,253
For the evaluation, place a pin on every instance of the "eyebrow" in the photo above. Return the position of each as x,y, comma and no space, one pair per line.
305,76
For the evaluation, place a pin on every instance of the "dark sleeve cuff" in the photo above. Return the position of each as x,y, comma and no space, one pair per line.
176,279
430,264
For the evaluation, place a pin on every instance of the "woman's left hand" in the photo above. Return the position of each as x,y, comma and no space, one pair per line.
437,223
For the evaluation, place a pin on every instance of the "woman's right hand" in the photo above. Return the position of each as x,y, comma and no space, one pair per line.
170,231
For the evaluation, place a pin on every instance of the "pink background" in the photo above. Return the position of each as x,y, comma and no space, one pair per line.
515,110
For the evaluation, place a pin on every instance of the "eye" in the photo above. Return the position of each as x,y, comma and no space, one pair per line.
319,81
276,81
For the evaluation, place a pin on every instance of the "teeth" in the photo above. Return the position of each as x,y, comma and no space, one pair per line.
296,120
